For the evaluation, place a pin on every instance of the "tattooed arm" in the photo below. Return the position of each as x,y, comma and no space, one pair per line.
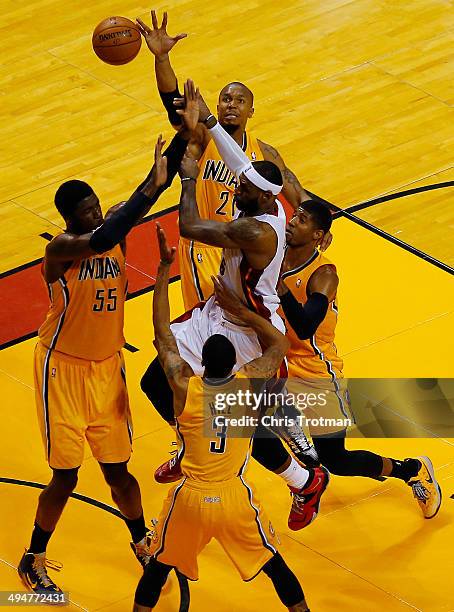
292,189
176,369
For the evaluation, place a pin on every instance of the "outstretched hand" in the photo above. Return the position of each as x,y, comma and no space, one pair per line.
157,39
188,168
190,111
159,175
166,253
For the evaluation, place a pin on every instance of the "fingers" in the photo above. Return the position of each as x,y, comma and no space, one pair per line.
164,21
179,37
144,29
154,20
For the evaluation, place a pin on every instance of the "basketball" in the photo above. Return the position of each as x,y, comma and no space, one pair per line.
116,40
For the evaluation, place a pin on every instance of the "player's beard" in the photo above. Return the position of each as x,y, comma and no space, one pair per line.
249,207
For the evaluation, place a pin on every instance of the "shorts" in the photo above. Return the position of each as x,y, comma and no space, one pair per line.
78,399
195,512
193,328
198,263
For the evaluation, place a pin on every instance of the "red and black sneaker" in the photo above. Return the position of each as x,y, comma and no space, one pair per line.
306,500
170,471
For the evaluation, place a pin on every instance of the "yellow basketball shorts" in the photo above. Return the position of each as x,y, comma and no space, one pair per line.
198,263
324,403
195,512
78,400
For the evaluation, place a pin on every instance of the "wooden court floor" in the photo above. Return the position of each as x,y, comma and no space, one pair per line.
357,96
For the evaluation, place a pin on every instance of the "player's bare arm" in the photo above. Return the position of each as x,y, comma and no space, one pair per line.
292,189
176,369
275,343
246,233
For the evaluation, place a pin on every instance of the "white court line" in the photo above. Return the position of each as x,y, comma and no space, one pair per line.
71,600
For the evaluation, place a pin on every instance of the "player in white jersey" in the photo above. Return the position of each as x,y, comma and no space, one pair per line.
253,246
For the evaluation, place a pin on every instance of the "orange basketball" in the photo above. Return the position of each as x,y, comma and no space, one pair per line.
116,40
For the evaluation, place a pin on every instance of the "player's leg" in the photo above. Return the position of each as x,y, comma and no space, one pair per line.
62,420
125,493
286,584
417,473
150,585
109,434
52,500
306,485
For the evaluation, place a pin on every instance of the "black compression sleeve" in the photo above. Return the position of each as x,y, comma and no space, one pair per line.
117,226
304,319
167,100
174,153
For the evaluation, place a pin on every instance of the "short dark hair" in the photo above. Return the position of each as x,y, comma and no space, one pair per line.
69,194
320,214
243,86
269,171
218,356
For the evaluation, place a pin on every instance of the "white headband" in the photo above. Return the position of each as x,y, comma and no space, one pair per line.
259,181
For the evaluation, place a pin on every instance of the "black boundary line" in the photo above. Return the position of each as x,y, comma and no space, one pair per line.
83,498
343,212
399,194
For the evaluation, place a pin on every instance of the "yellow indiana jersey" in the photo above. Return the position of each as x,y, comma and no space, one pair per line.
212,449
216,184
317,356
86,314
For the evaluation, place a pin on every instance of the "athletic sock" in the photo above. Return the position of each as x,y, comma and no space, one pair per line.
40,539
295,475
136,527
405,469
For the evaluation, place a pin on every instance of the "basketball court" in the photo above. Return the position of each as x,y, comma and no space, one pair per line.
357,97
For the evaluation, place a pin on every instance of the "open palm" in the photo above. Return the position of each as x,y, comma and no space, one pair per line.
157,39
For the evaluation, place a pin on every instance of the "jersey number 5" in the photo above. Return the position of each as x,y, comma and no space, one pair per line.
218,446
105,302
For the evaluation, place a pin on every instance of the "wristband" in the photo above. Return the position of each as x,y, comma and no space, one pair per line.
189,178
209,118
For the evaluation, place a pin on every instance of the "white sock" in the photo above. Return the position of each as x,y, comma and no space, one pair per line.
295,475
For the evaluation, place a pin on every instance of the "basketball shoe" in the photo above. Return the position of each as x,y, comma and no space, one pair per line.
33,573
170,471
306,501
426,489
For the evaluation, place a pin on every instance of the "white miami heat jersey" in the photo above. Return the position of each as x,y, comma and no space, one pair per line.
257,287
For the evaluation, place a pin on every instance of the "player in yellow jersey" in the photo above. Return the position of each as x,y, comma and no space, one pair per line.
214,498
215,184
308,293
78,365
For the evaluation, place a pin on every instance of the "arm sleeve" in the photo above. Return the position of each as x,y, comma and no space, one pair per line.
231,152
117,226
167,99
304,319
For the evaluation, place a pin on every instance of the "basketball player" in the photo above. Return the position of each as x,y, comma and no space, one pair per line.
214,499
215,186
78,364
308,290
252,257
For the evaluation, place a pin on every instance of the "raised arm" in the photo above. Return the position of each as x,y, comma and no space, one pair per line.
176,369
245,233
275,343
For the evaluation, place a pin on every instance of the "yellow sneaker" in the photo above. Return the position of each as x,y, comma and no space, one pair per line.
426,489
